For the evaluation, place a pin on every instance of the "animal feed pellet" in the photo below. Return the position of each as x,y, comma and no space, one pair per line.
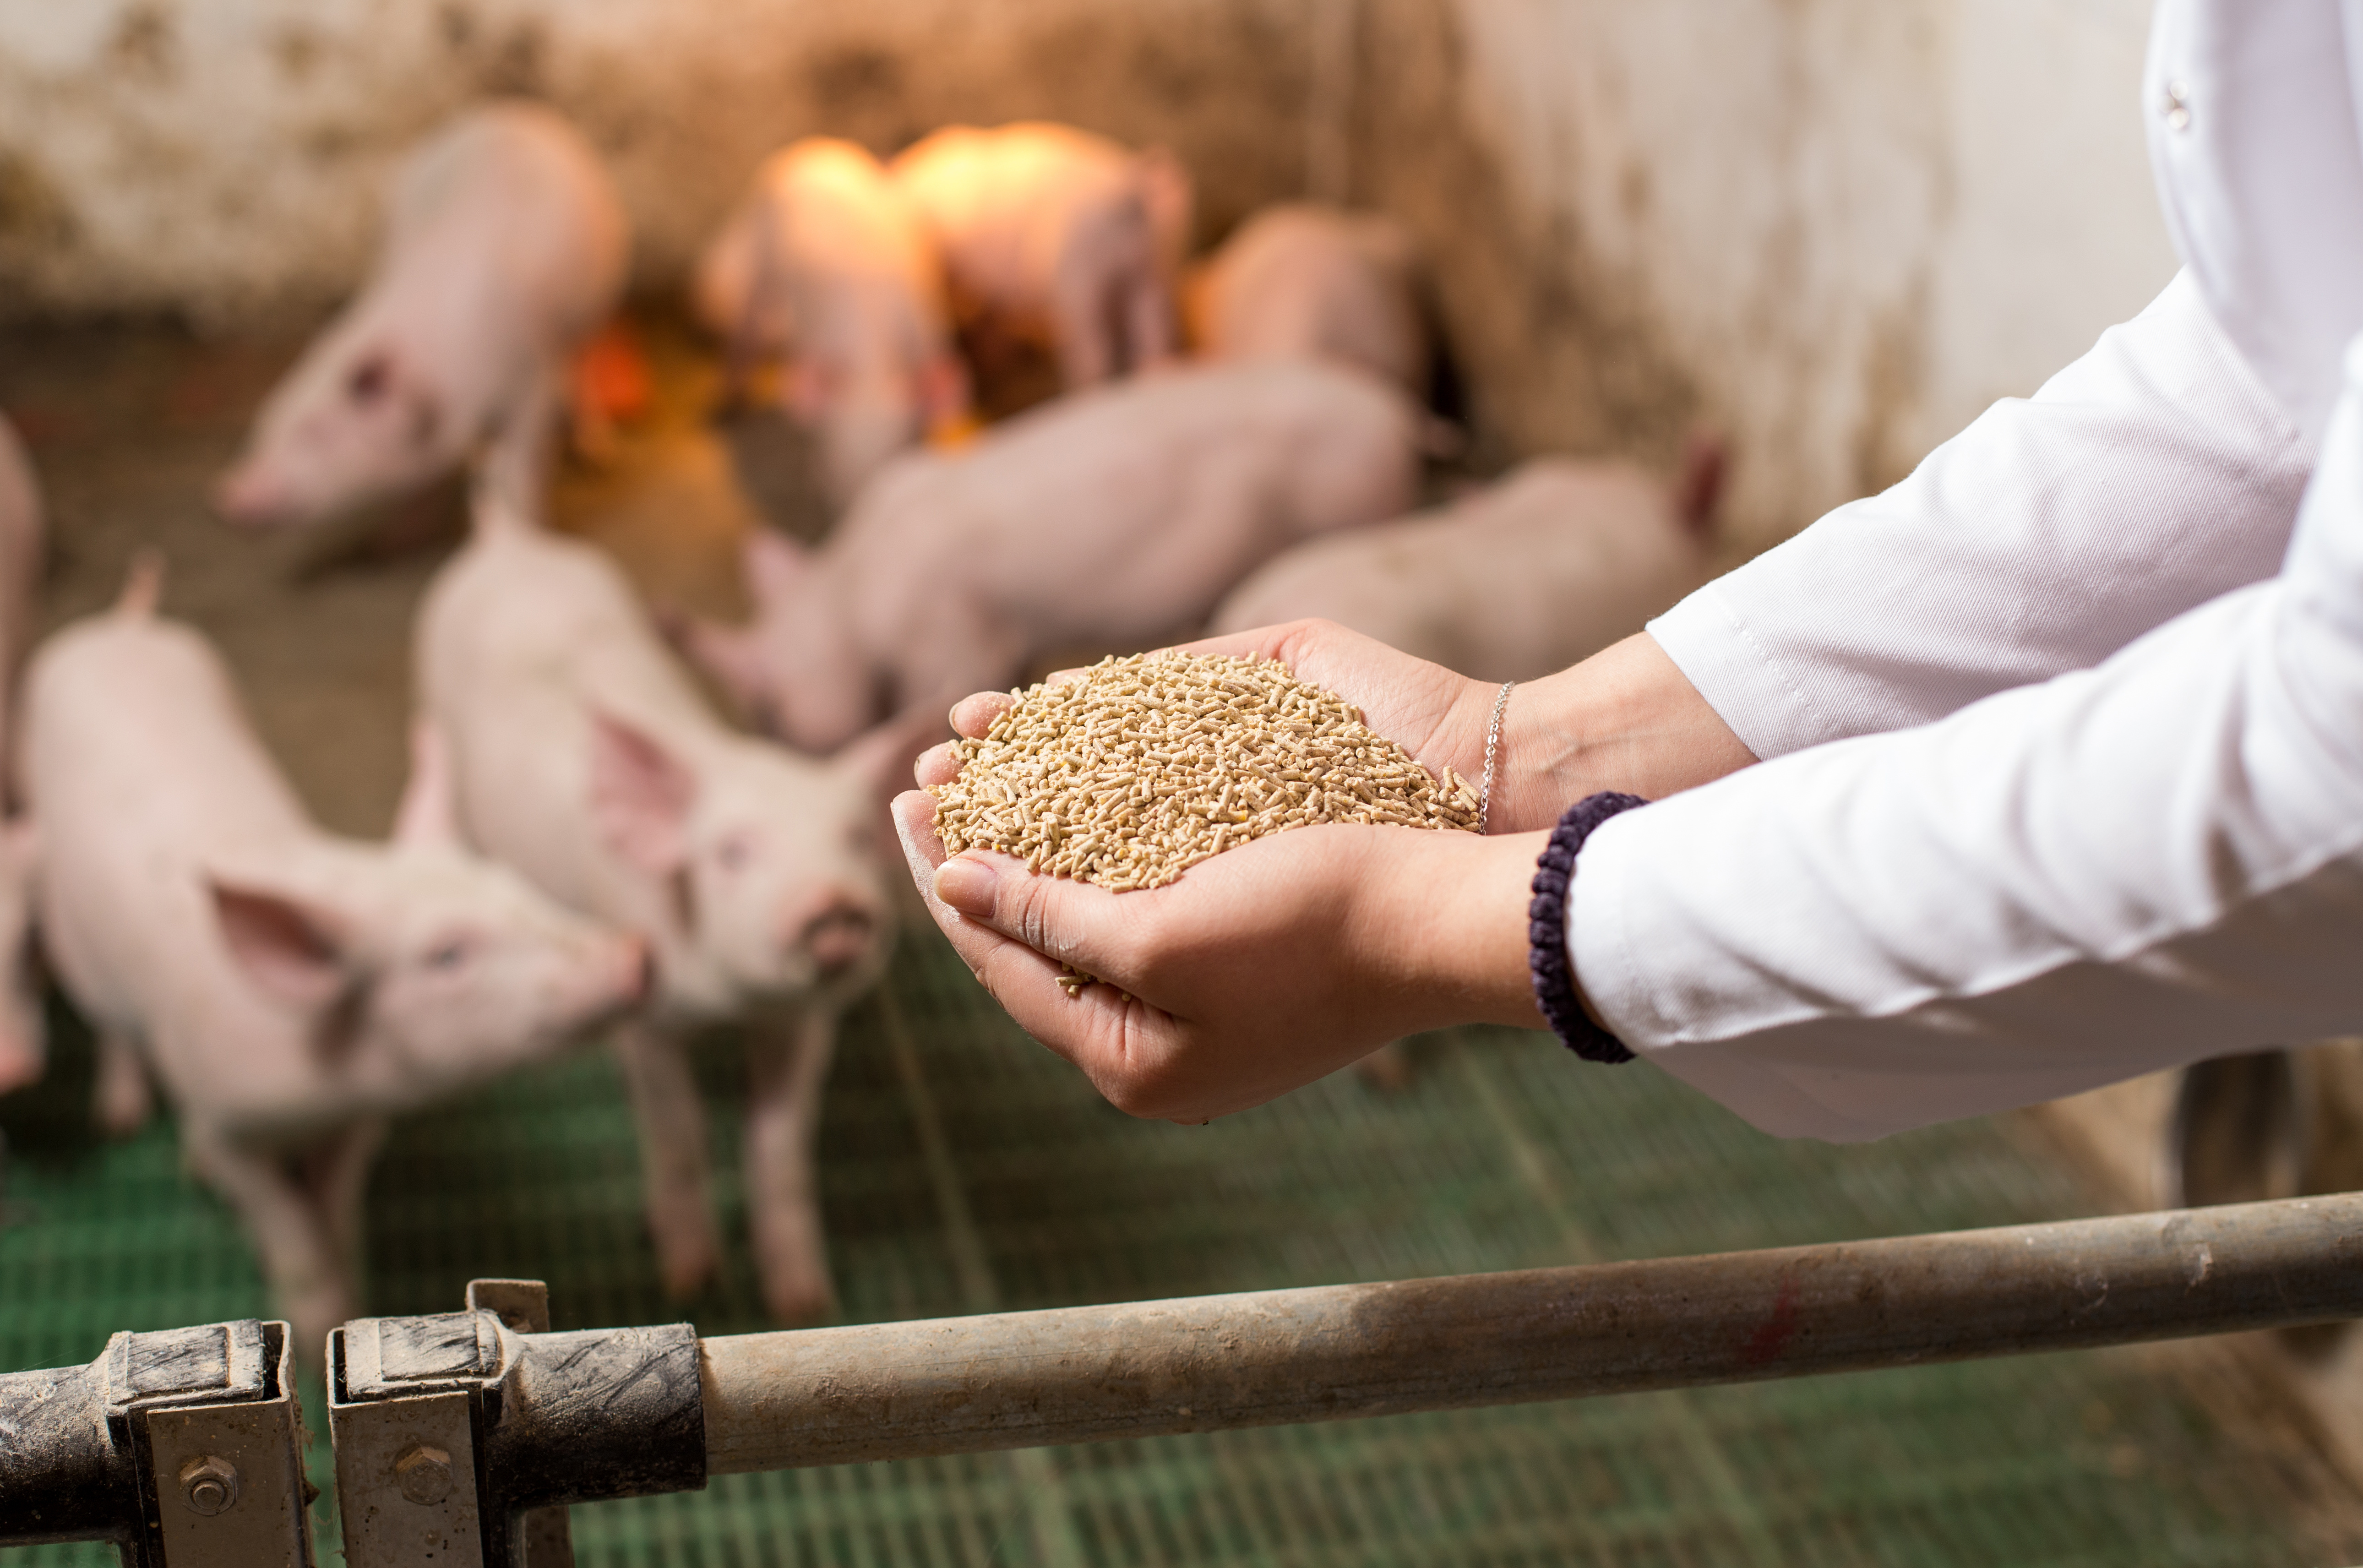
1133,773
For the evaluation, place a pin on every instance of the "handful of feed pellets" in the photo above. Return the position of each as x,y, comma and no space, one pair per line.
1133,773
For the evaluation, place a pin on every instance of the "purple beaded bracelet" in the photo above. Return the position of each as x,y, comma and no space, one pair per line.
1546,931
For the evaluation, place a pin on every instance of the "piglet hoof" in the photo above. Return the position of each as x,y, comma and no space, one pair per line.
795,1270
1387,1069
310,1315
18,1066
799,1296
122,1101
687,1256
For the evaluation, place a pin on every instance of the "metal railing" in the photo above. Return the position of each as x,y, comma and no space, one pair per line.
461,1437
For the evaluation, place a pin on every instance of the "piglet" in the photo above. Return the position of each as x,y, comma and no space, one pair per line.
505,251
585,757
827,267
1057,238
1303,279
1106,519
288,989
21,534
1514,582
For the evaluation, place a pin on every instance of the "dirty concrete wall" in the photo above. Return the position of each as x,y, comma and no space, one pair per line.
1836,228
1833,229
219,156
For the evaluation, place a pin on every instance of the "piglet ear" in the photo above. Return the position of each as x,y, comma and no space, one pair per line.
428,816
292,948
640,796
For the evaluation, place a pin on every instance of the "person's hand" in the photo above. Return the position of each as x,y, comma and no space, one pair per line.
1269,965
1260,970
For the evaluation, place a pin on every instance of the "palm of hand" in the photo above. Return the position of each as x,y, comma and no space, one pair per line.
1253,973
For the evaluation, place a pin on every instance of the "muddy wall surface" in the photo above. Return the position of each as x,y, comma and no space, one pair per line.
1847,224
223,155
1831,229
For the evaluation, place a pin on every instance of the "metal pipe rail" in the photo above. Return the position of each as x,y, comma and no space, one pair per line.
1209,1363
461,1437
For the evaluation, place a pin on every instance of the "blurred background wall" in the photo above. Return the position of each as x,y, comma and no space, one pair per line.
1833,229
1850,224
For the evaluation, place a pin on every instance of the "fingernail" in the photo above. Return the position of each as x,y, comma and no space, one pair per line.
966,885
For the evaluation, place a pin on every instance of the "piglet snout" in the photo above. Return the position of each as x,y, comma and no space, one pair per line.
838,936
245,497
616,978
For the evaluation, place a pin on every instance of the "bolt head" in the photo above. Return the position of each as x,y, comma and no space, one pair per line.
209,1485
425,1474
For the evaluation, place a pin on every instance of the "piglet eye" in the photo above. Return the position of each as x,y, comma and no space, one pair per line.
450,954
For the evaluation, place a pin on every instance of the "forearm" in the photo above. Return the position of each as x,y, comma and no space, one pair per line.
2118,871
1624,719
1444,919
2149,477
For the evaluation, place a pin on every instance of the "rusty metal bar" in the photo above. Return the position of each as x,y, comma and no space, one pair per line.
1019,1379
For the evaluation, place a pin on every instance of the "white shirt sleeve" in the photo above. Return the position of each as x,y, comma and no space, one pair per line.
2119,870
2151,475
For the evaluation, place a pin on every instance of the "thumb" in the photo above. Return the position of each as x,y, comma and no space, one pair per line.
1057,916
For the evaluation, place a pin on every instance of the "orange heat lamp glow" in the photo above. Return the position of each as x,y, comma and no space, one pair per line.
953,432
610,379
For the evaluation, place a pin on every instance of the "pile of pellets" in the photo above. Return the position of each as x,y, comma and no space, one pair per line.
1131,774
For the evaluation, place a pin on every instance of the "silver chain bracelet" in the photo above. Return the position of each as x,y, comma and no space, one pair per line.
1492,741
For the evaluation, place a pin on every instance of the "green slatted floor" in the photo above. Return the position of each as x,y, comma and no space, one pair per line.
967,1169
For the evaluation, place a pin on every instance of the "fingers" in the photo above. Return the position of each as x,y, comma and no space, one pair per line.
992,895
1069,921
1095,1028
986,952
972,716
1124,1046
1127,1047
915,825
1263,641
936,765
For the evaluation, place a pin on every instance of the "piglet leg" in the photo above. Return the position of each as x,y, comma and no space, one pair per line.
675,1169
787,1063
122,1099
1147,307
338,1173
299,1259
513,469
1084,319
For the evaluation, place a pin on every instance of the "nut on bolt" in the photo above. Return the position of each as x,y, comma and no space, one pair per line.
425,1473
208,1484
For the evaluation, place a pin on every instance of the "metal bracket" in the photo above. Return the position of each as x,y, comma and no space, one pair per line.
461,1437
184,1448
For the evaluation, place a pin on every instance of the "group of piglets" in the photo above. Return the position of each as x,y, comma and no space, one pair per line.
585,845
1217,423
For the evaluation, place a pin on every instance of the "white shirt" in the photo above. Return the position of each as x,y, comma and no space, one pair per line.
1951,890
